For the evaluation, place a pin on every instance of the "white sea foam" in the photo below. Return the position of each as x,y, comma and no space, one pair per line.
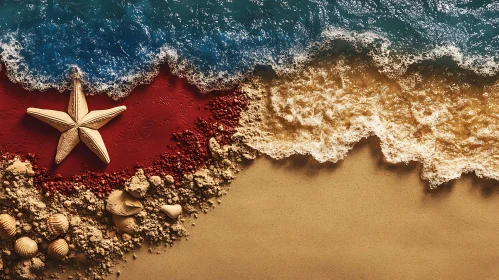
19,72
440,119
379,48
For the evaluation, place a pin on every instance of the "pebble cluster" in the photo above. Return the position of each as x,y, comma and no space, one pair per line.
91,220
40,231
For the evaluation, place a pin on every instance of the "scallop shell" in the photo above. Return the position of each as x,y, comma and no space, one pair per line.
26,247
58,224
122,203
172,211
7,226
125,224
58,249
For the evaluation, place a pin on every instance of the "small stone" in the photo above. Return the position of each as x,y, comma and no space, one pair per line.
202,178
137,185
134,256
155,181
169,179
126,237
17,168
172,211
125,224
27,228
247,156
214,147
30,172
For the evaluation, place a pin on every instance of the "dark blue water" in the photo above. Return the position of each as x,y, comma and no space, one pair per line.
216,43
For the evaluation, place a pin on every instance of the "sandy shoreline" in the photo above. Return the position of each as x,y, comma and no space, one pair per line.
358,219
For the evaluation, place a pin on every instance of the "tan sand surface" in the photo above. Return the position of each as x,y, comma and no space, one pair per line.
358,219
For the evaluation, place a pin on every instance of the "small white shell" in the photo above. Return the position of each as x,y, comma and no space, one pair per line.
7,226
26,247
58,249
122,203
125,224
58,224
172,211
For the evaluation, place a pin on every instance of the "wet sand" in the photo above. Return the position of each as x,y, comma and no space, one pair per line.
358,219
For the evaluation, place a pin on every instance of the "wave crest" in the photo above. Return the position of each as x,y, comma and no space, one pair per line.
447,120
216,44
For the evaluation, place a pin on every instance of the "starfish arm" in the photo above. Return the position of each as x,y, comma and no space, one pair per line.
68,140
98,118
77,107
94,142
60,120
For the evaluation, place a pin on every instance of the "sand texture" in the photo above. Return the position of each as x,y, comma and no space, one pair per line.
358,219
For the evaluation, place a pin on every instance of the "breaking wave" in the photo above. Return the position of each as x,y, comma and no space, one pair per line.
439,115
216,44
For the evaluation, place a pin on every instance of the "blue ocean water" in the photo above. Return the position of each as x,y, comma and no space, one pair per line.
215,43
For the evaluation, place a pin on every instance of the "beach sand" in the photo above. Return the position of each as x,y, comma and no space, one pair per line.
357,219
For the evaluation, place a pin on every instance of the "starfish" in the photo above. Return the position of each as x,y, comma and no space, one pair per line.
78,124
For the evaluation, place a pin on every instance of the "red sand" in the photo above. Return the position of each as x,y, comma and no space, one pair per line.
165,130
138,136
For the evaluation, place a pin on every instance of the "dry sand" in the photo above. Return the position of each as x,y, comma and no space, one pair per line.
359,219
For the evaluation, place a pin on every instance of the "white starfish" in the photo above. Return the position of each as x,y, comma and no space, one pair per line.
78,124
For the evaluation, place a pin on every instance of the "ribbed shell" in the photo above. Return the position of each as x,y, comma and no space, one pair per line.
58,249
7,226
57,224
26,247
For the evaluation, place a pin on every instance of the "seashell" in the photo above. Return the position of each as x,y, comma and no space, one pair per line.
26,247
7,226
172,211
122,203
125,224
58,224
58,249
